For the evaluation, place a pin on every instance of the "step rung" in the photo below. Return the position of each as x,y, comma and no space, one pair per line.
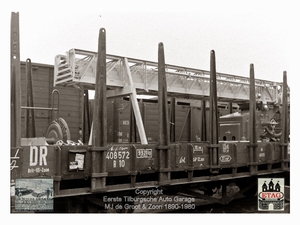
64,75
64,70
63,81
63,64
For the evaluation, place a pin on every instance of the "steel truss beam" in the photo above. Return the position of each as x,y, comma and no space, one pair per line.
78,68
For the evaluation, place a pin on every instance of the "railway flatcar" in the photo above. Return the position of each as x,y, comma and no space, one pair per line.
120,153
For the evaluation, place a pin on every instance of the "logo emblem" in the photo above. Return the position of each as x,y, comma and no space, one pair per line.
270,194
225,158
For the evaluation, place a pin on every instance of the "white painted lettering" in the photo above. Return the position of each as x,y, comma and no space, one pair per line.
43,154
38,155
33,160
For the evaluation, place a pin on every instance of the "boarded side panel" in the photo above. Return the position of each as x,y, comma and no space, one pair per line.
110,120
71,106
71,101
151,121
196,124
124,123
182,123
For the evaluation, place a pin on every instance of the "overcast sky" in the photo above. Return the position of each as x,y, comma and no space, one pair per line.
240,34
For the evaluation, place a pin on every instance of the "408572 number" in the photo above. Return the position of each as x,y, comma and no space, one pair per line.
118,158
117,155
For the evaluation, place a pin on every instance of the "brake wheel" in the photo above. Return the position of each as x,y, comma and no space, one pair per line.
58,130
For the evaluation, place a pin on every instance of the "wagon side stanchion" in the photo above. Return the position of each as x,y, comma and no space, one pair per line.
213,118
58,174
30,119
99,133
252,124
163,121
15,98
284,134
172,120
15,82
86,124
203,119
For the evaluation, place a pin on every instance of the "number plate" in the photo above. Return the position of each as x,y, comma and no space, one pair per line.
144,153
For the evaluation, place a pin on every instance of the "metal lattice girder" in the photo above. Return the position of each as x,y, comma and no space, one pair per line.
78,68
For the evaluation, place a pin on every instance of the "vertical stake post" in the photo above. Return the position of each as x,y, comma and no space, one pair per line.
213,119
15,82
204,126
30,119
86,124
99,132
132,132
163,120
284,123
252,123
172,120
15,96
